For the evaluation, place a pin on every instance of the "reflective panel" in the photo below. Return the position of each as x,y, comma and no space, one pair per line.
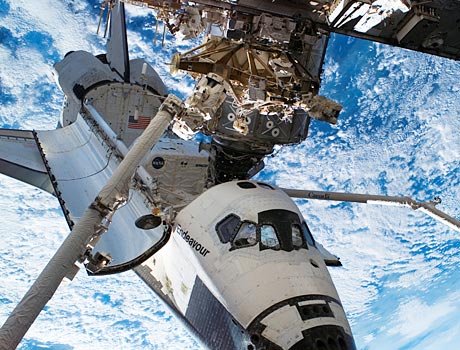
82,165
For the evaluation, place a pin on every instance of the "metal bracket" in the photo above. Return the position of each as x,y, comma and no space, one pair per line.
98,261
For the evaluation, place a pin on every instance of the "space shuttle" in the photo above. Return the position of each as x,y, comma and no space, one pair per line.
232,258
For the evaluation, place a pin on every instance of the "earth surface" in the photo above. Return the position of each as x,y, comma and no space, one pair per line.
397,135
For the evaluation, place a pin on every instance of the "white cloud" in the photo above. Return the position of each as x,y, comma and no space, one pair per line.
415,318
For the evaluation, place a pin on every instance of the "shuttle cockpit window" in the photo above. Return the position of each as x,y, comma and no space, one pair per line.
297,239
287,226
307,235
246,236
277,229
268,237
226,229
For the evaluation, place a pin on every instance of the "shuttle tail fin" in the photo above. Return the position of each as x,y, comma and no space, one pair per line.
117,45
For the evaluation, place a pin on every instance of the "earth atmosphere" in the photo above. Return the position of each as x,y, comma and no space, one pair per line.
397,135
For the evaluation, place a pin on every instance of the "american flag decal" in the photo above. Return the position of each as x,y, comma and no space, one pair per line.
140,123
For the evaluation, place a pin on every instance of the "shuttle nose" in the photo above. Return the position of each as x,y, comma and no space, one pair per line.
303,323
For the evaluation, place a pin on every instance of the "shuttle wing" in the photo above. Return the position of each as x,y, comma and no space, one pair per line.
329,258
20,158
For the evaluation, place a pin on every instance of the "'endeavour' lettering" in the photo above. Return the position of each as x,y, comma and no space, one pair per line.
191,241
